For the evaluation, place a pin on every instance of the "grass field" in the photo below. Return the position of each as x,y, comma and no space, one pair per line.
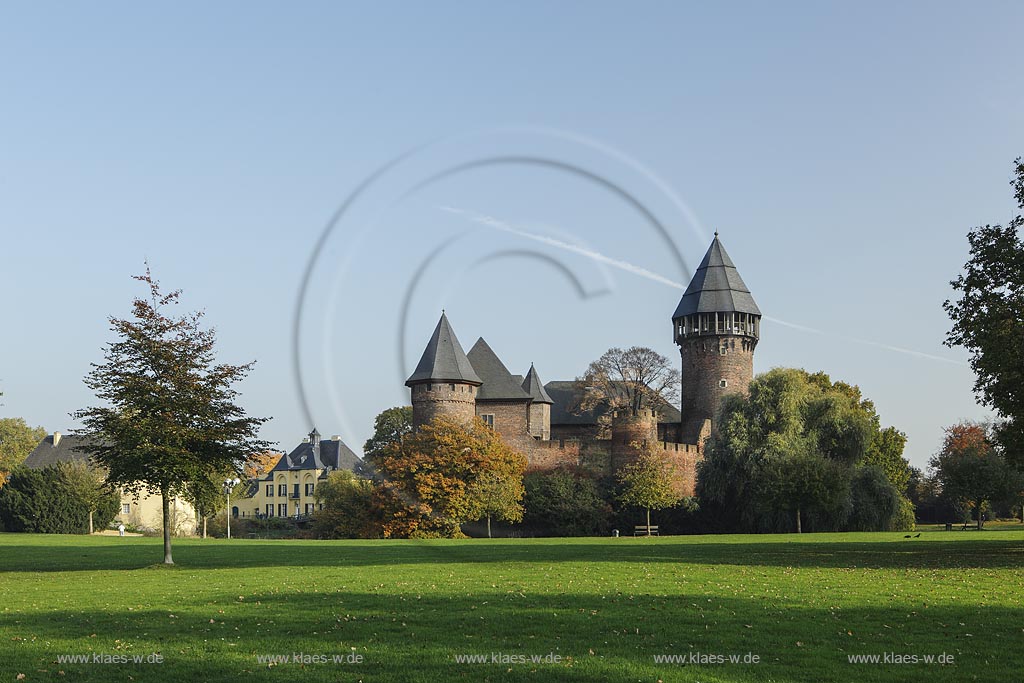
607,607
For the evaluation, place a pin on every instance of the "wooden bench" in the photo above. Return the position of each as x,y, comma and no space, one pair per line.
642,529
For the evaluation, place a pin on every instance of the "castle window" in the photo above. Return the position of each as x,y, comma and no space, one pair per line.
488,420
452,386
723,383
723,350
126,508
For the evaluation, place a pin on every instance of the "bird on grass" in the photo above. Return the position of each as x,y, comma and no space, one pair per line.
918,535
907,536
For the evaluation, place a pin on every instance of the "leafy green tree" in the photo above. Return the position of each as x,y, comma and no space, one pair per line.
169,419
206,495
885,452
649,482
17,440
499,494
565,502
348,507
970,467
389,428
784,456
988,320
429,481
87,483
42,501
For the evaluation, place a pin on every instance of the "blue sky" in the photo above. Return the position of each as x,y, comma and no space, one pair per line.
842,151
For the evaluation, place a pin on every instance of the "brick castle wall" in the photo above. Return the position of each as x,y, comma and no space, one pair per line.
454,401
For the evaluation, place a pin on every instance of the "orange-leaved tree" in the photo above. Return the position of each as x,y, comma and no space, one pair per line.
431,481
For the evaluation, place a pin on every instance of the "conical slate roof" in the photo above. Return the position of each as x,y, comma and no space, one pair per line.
716,287
443,360
535,388
498,383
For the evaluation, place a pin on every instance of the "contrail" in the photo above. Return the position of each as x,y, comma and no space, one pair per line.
497,224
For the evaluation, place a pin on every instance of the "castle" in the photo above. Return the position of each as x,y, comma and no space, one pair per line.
716,326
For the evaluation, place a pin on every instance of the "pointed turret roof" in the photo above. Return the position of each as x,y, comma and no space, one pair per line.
716,287
443,360
498,383
535,388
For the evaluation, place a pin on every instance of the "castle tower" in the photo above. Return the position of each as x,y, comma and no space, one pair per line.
540,408
444,382
717,325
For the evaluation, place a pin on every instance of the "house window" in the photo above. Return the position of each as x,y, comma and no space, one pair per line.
270,509
126,508
309,489
309,508
723,383
282,509
270,490
488,420
282,490
295,491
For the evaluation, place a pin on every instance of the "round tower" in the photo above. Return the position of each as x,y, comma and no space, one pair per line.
717,326
444,382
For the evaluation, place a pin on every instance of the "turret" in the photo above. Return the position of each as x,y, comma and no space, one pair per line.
444,382
717,326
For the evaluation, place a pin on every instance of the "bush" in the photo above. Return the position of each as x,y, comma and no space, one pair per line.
349,510
566,503
40,501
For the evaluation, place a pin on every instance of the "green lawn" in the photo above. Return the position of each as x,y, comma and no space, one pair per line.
605,606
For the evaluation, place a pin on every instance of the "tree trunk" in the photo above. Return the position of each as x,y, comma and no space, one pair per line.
648,521
204,527
488,526
798,528
980,524
90,522
166,503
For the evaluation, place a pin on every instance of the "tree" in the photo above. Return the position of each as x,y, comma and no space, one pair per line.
784,457
260,464
649,482
629,379
988,320
970,467
389,428
348,507
17,440
170,420
430,480
565,502
87,483
42,501
499,493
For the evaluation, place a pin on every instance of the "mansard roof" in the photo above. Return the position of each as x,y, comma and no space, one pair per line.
716,287
443,360
498,383
533,386
68,448
333,453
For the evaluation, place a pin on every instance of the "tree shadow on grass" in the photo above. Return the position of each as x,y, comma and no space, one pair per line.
73,554
413,638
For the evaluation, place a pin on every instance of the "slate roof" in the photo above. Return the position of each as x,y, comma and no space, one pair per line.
331,453
443,360
565,399
46,453
498,383
716,287
534,387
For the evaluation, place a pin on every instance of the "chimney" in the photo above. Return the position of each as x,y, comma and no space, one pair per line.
56,439
336,437
305,439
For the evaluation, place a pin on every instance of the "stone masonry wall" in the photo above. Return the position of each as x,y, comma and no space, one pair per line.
454,401
707,361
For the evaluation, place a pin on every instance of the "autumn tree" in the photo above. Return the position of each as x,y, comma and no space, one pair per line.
169,418
650,482
988,320
17,440
348,507
970,467
260,464
628,379
500,495
431,480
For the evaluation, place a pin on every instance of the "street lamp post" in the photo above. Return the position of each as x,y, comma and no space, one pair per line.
228,485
